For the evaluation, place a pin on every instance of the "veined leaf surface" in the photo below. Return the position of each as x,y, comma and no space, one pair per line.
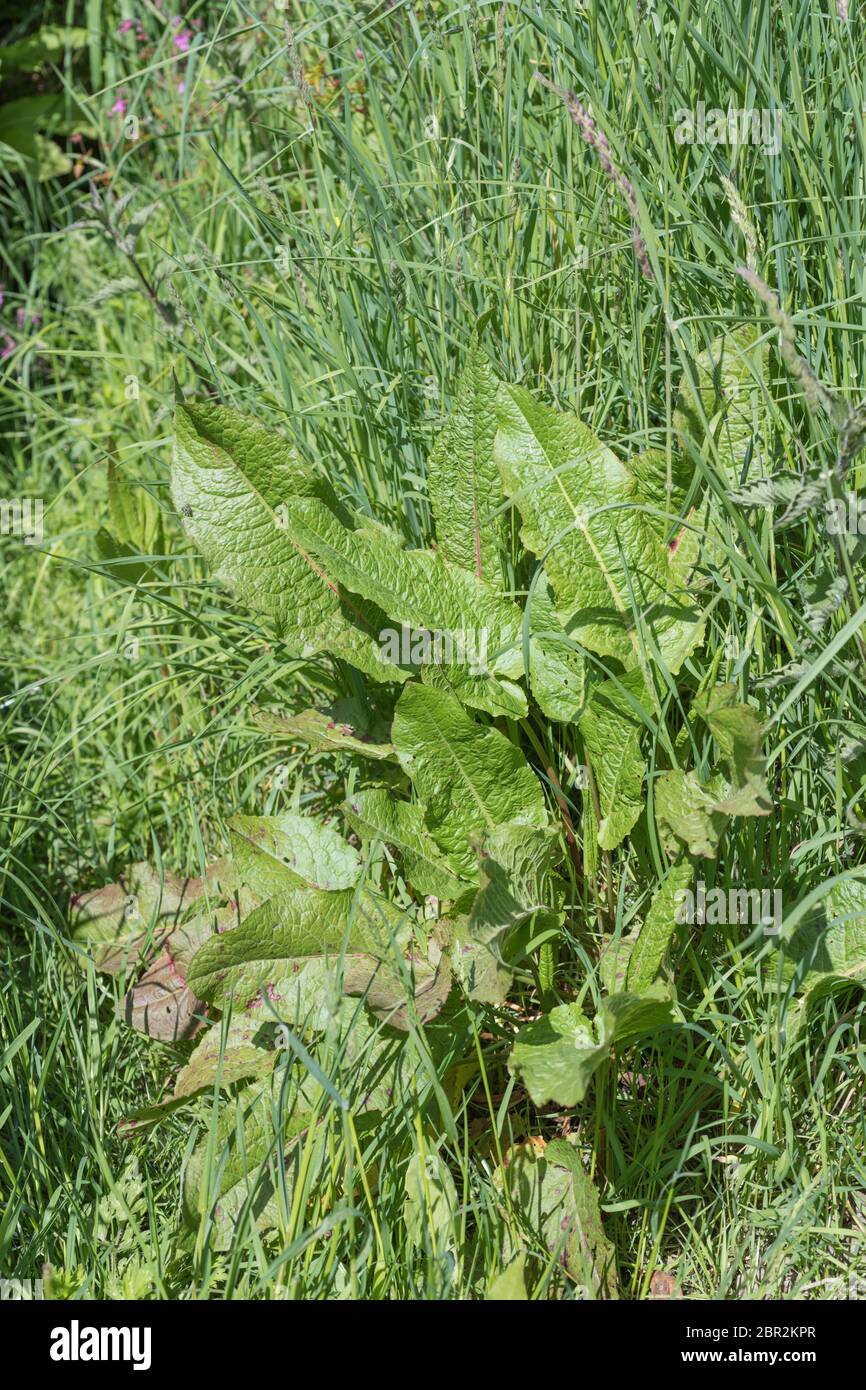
273,944
557,1056
375,813
470,777
609,567
232,480
277,852
462,478
612,730
649,950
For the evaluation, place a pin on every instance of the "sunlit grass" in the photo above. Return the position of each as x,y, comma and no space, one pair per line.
327,241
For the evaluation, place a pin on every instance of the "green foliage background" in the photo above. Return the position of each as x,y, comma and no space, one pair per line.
310,226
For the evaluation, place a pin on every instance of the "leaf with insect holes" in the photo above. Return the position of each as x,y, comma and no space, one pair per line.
287,851
231,480
321,733
469,777
618,587
462,479
557,1200
557,1056
611,730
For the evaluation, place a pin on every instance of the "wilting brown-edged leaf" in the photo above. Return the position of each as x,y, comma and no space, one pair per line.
123,919
385,992
663,1286
161,1002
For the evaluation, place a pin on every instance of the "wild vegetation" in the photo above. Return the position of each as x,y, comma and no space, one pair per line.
442,643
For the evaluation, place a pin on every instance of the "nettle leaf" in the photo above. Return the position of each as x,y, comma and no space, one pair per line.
451,618
276,852
557,1056
375,814
232,480
739,734
687,813
616,583
556,1199
469,777
462,478
730,386
650,947
321,733
269,949
611,731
